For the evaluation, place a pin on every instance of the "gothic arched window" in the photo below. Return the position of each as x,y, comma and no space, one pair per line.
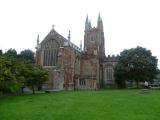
50,52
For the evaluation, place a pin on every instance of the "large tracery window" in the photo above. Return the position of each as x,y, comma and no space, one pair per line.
50,53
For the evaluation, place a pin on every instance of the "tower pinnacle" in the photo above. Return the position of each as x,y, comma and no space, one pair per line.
37,46
99,23
99,17
86,19
38,39
69,36
81,44
87,24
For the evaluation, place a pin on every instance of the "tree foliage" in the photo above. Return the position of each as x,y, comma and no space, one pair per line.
120,73
136,64
11,53
16,72
1,52
9,72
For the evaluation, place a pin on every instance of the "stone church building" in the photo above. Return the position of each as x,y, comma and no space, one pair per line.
72,67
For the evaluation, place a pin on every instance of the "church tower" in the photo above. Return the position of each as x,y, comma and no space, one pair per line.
93,56
94,39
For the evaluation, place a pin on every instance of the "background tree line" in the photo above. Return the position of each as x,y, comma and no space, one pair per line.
20,70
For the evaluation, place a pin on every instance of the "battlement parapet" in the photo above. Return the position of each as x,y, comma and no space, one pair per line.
112,58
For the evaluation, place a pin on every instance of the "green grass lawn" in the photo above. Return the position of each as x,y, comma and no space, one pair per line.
83,105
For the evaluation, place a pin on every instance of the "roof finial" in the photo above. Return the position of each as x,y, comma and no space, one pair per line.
53,26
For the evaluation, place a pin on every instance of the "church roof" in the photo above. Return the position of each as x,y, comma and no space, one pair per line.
53,34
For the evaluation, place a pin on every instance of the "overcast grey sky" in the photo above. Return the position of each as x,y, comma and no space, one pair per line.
127,23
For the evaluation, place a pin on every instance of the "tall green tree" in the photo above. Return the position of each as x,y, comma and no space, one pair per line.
136,64
27,55
35,76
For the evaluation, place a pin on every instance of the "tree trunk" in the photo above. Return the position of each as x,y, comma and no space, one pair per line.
131,83
22,89
33,91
